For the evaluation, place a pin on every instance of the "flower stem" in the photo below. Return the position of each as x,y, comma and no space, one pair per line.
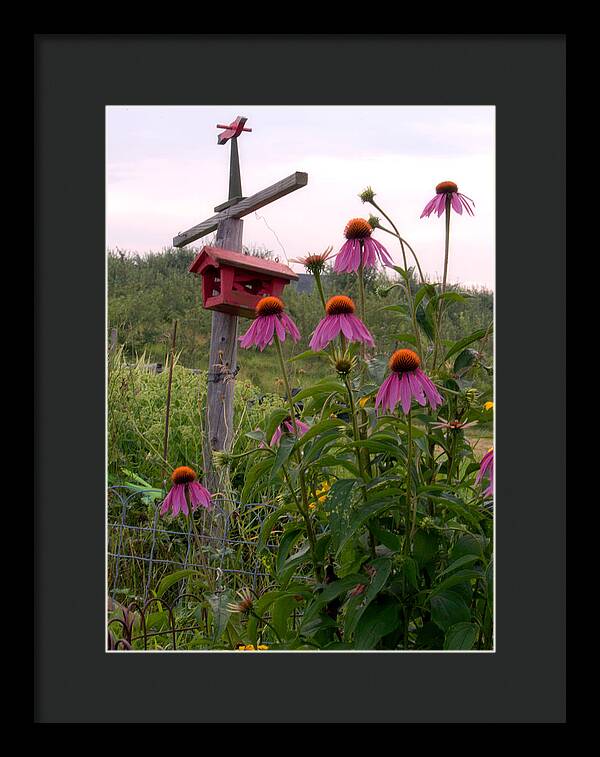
402,241
408,292
359,457
319,285
438,325
304,509
411,509
361,297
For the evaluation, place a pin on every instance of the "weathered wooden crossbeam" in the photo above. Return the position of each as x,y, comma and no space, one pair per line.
243,207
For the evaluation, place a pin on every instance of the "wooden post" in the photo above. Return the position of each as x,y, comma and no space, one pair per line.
221,368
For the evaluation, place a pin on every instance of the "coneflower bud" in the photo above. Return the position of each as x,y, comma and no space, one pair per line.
344,364
367,195
374,222
221,459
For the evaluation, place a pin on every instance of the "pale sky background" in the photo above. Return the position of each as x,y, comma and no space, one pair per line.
166,173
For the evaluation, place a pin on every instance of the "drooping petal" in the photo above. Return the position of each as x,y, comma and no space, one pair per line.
276,436
248,339
433,396
348,258
384,255
279,327
290,327
441,204
178,490
405,393
416,389
168,501
269,323
346,326
382,397
361,332
429,208
300,425
467,202
456,204
394,391
183,505
199,495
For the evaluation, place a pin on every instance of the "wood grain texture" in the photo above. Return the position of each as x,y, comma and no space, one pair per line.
222,365
243,208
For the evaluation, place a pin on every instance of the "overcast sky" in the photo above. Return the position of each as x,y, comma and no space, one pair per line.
165,173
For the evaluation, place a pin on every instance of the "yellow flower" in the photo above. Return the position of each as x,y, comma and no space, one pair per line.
363,401
489,405
250,647
262,646
321,493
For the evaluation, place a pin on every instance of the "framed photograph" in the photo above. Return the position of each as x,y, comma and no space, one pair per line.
296,324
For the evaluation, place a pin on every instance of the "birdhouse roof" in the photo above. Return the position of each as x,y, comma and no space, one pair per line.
218,257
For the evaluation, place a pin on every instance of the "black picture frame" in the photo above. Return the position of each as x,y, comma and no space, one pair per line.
76,77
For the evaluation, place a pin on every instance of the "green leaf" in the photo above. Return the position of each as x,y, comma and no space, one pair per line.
284,450
253,476
460,636
268,525
425,546
377,367
221,615
454,297
387,538
303,554
290,537
465,359
460,563
377,621
425,289
447,609
328,424
424,322
410,570
360,516
465,342
326,386
407,338
307,354
275,419
382,567
457,579
173,578
469,544
406,274
397,309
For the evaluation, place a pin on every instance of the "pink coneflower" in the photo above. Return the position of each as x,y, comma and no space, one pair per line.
287,426
487,469
359,245
445,190
340,319
270,320
185,482
314,262
407,382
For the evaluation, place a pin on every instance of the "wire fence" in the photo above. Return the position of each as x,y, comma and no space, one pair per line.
156,566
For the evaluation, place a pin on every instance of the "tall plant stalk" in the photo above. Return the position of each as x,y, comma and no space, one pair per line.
411,306
304,512
438,325
168,406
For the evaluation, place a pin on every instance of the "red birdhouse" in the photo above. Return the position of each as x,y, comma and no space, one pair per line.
233,282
